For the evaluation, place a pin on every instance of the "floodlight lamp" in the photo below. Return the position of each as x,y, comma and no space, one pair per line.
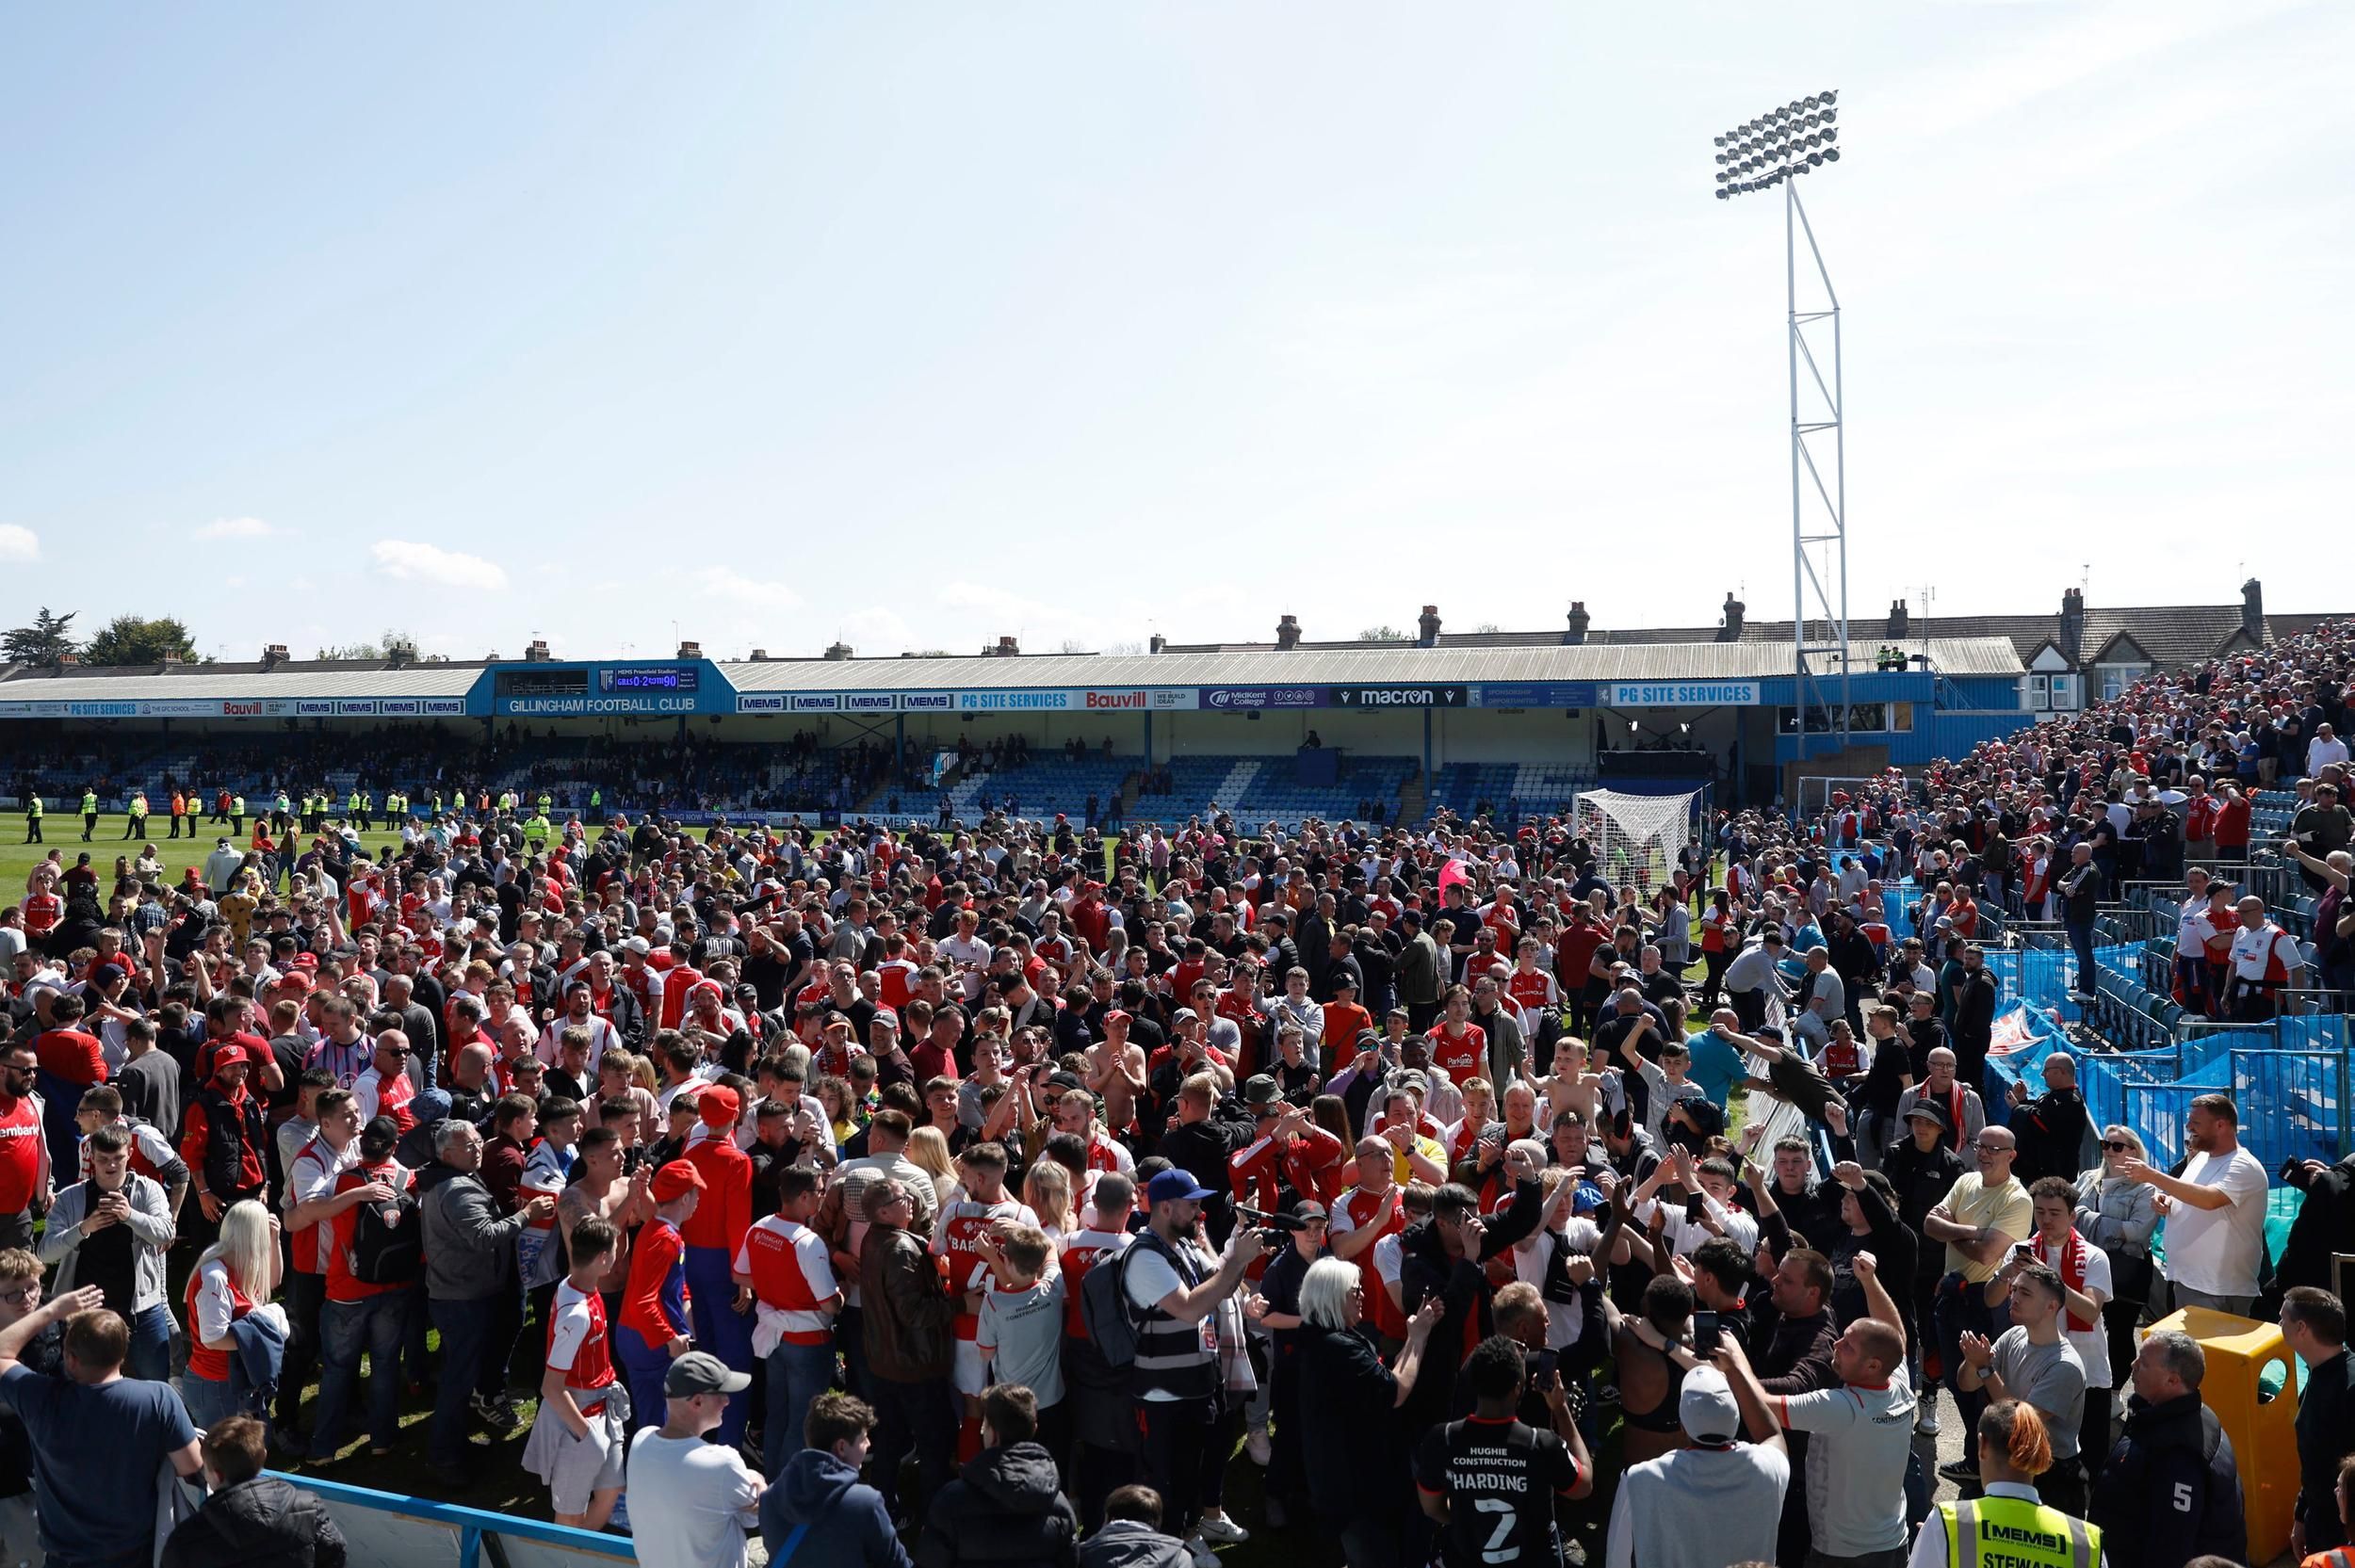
1810,101
1832,132
1831,154
1721,141
1815,160
1829,97
1723,194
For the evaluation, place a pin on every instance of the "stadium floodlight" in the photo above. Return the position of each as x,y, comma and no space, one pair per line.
1768,154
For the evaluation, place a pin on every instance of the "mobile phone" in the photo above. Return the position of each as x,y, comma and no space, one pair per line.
1706,1333
1695,1205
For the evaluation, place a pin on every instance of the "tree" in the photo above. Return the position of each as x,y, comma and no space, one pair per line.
1381,634
382,648
45,643
134,639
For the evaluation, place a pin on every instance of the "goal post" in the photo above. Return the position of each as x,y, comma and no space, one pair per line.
1636,837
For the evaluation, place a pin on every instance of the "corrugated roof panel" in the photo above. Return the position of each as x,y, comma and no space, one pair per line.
423,680
1337,667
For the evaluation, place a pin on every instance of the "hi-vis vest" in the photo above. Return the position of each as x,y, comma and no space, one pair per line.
2012,1532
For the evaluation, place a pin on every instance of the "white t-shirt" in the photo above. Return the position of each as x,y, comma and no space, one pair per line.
1530,1258
2215,1250
1149,1279
691,1502
2093,1345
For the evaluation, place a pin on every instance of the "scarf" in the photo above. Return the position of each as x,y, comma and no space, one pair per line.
2071,1265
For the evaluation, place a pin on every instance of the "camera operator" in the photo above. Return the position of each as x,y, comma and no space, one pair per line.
2325,1225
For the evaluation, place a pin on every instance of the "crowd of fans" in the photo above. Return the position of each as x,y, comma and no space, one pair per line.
995,1195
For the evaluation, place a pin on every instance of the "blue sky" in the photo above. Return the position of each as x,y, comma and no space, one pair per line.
918,325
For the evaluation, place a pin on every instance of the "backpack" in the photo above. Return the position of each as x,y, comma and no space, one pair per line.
1104,1308
386,1253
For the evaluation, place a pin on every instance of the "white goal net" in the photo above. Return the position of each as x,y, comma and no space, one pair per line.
1634,837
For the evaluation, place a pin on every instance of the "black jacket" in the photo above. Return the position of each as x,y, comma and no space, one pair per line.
1005,1507
262,1523
2171,1490
1462,1285
2325,1225
2050,1129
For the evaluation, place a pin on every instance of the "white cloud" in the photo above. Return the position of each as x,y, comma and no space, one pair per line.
407,560
18,544
722,583
236,527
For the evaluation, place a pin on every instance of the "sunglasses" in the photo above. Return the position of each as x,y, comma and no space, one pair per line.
2118,1146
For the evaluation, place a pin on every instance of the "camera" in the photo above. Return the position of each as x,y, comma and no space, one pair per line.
1275,1222
1706,1334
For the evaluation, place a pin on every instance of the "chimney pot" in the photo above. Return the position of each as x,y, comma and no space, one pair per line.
1900,619
2252,610
1732,629
1288,633
761,655
1156,643
837,652
2072,625
690,650
1579,621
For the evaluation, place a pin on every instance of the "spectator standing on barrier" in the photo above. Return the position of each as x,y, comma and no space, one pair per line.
2119,1216
2214,1212
2170,1490
2080,888
2314,1322
252,1520
692,1502
99,1439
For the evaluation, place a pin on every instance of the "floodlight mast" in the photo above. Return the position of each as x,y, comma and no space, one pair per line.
1774,150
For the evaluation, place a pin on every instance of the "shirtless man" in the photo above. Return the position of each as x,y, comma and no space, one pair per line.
1116,1072
598,1189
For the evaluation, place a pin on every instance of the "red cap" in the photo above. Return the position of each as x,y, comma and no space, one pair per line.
1115,1017
719,1108
676,1180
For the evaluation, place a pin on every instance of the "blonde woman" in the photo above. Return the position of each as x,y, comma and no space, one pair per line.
235,1275
1047,1189
928,1149
2117,1216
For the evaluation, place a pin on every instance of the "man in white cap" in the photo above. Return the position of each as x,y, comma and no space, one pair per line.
691,1502
1717,1502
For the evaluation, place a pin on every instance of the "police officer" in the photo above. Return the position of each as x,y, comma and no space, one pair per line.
89,813
2007,1526
32,819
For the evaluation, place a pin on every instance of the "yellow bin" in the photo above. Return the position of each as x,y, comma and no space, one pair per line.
2264,1432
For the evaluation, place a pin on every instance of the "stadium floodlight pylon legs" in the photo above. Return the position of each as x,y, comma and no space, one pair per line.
1819,550
1779,146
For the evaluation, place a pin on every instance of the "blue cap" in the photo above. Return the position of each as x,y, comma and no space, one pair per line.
1176,1185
